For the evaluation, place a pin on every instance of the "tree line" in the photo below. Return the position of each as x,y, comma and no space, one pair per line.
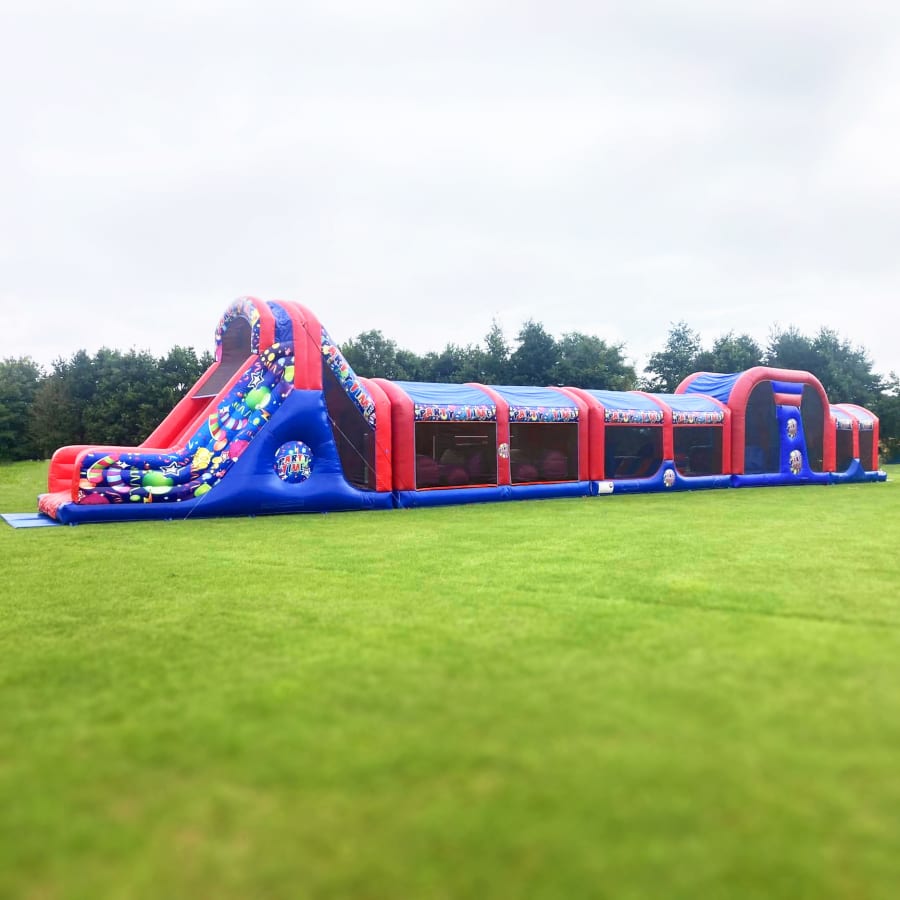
108,398
575,359
116,397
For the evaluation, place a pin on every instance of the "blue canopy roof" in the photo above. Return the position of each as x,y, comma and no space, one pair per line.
715,385
623,400
537,404
440,402
865,418
627,407
517,395
693,409
842,418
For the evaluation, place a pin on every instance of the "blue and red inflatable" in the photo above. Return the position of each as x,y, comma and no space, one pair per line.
281,423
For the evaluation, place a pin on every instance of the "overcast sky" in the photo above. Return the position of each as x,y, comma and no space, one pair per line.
424,167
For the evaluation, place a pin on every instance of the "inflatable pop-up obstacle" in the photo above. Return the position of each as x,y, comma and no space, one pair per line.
280,423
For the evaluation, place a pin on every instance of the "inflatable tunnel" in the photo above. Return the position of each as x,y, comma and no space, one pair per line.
280,423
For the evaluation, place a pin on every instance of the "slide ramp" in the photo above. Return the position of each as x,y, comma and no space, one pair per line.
216,431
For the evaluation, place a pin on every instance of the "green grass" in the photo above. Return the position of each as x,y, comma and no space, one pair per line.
20,484
647,696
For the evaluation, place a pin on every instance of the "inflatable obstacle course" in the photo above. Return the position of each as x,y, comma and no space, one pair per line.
280,423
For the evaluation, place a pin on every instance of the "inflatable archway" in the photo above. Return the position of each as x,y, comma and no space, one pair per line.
280,423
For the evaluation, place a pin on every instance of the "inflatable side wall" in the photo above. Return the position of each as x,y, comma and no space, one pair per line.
280,423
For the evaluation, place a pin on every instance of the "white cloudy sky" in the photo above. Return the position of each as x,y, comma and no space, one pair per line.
424,167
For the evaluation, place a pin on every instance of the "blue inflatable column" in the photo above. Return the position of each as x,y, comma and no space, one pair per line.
794,453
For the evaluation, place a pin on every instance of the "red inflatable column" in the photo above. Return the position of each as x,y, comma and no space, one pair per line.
503,464
403,435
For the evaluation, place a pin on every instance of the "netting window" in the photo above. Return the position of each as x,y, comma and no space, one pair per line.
844,449
456,454
543,451
698,450
867,449
633,451
354,437
762,443
812,412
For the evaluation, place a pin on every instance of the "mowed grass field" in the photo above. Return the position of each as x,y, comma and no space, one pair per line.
653,696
